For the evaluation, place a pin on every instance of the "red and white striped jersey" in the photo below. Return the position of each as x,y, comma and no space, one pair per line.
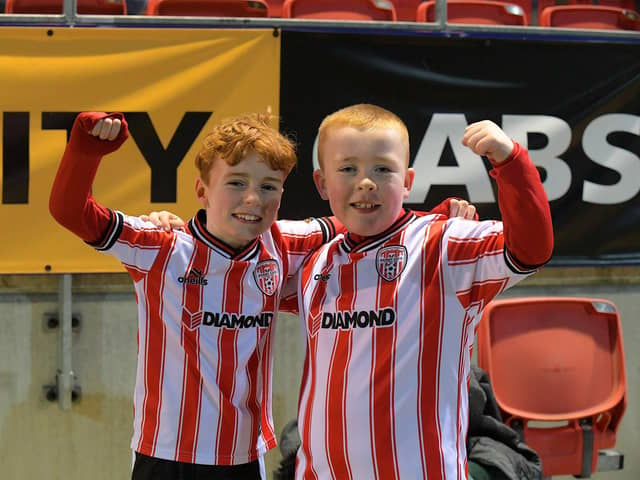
206,314
389,323
206,324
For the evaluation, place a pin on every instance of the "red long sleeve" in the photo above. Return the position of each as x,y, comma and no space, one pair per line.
70,202
524,206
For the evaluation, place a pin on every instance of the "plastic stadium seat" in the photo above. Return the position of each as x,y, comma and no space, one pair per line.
275,8
627,4
54,7
590,16
208,8
340,9
557,369
406,9
475,12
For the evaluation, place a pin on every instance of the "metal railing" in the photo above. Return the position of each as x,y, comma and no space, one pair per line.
69,18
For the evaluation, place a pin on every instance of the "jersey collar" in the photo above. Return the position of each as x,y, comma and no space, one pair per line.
197,227
353,242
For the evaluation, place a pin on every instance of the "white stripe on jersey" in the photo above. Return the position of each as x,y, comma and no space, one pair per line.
206,321
390,325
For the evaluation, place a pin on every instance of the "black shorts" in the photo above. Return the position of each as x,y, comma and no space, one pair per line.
151,468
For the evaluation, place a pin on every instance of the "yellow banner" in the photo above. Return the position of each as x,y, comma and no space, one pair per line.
171,84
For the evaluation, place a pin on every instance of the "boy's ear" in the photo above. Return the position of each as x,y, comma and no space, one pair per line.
321,183
201,192
408,181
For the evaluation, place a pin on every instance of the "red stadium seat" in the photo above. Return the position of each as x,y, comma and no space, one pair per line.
275,8
55,7
628,4
406,9
208,8
557,369
590,16
340,9
475,12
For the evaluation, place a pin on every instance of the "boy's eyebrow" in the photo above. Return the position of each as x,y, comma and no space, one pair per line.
273,179
377,158
246,175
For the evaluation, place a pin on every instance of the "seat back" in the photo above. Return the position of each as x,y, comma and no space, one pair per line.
557,369
208,8
55,7
475,12
590,16
626,4
360,10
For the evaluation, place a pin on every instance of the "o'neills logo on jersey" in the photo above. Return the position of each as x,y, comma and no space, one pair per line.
390,261
194,277
267,276
358,319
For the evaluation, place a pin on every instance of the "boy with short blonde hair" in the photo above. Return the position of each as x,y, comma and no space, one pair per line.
390,308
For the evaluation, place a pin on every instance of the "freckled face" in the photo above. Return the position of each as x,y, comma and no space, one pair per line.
364,177
241,200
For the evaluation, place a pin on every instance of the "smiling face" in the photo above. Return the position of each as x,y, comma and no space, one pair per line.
241,200
364,176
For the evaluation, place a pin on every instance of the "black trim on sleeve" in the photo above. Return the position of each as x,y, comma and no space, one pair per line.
328,228
112,234
518,267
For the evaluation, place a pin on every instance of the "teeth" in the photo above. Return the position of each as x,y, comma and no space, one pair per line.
364,205
248,218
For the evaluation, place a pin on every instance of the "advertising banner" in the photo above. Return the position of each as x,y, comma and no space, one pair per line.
574,105
170,83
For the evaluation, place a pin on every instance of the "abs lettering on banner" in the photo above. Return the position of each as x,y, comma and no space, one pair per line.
471,173
163,162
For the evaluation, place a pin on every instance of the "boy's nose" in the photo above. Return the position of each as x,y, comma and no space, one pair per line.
252,198
366,184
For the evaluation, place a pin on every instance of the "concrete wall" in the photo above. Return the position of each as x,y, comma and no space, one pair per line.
91,440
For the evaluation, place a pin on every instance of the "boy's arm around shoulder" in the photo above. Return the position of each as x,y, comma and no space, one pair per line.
523,203
94,134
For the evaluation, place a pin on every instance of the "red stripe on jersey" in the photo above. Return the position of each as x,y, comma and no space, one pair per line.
135,274
155,343
335,403
463,360
266,422
191,401
385,458
432,317
309,473
337,452
192,381
309,369
317,299
280,240
261,408
481,293
468,250
228,362
253,405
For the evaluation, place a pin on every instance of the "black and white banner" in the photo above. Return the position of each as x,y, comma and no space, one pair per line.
575,106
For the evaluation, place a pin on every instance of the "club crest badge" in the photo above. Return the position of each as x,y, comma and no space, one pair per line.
391,261
267,276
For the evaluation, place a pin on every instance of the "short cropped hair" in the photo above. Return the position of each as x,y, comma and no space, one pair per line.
233,139
362,116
